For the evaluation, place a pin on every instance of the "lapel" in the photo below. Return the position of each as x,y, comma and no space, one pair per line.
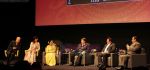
109,47
104,48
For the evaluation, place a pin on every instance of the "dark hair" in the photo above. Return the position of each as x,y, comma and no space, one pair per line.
84,39
35,37
50,41
135,37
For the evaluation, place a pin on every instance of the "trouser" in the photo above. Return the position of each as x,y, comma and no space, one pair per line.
103,58
76,58
123,60
10,58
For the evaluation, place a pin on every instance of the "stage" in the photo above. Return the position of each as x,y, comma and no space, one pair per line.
66,67
90,67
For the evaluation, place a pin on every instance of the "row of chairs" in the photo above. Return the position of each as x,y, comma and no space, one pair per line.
17,54
135,60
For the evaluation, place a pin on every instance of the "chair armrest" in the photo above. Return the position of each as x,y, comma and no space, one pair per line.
17,53
5,52
113,59
25,51
44,52
112,54
43,58
37,53
138,54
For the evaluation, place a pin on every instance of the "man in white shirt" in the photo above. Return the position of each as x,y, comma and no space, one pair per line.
105,53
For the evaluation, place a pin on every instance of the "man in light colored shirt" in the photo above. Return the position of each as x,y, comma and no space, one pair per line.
105,53
106,49
134,48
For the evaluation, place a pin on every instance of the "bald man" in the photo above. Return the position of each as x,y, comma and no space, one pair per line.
12,49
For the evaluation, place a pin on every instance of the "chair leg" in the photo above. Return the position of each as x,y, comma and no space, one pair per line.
75,60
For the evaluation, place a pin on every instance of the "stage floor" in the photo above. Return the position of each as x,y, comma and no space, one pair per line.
90,67
66,67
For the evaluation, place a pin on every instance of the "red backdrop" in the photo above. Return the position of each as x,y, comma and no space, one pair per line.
57,12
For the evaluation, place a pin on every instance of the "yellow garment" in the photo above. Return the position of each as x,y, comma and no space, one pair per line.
51,55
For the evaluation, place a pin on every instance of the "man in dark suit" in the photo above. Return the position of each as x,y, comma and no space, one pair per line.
105,53
12,49
83,47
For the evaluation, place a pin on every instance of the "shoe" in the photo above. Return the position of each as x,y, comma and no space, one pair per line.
118,68
98,65
102,67
70,64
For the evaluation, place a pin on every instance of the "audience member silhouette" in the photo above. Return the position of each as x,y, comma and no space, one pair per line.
22,65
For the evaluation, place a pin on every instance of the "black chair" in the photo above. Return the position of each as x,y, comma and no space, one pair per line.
137,60
113,60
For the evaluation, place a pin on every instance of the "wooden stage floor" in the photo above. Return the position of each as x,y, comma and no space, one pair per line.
66,67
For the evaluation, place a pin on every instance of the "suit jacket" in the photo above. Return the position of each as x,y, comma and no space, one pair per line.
12,48
85,47
111,48
134,48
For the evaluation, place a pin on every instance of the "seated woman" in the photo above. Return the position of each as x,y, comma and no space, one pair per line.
51,51
31,53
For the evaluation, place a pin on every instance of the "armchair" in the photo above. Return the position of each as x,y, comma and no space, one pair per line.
136,60
89,58
16,55
113,60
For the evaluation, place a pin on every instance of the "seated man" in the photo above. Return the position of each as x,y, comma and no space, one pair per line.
12,49
81,49
105,53
134,48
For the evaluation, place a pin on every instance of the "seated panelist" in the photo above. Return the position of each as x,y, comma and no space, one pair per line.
83,47
51,52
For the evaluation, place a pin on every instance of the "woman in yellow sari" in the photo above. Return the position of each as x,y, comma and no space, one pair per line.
51,51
